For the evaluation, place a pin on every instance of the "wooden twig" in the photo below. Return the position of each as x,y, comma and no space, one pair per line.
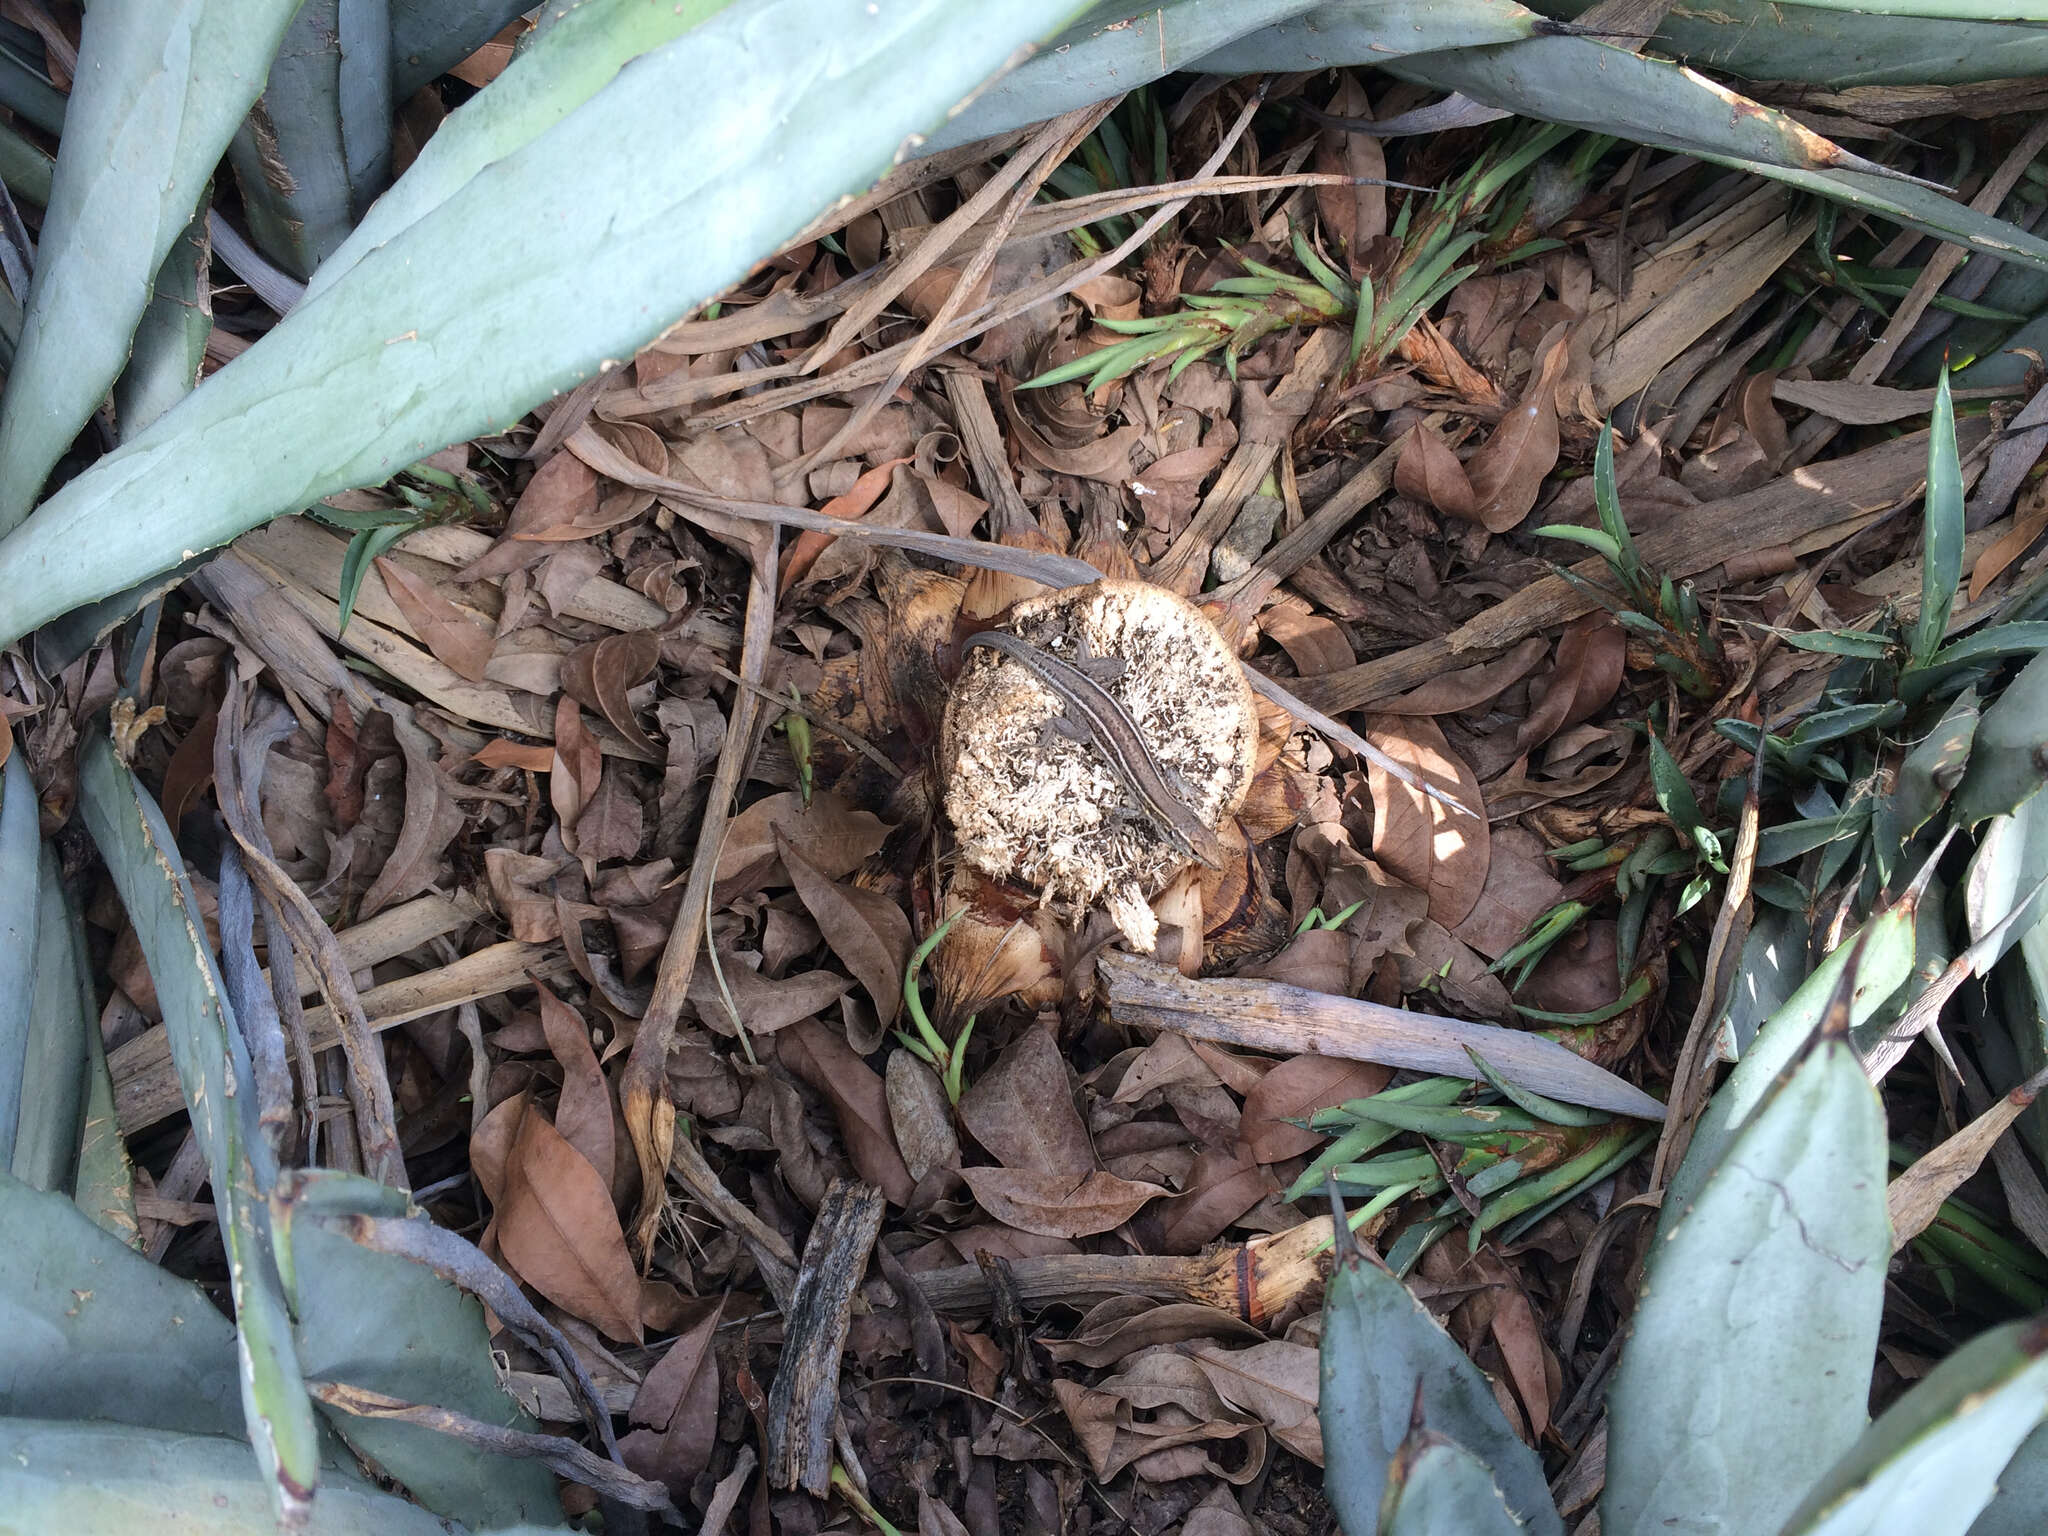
1293,1021
803,1402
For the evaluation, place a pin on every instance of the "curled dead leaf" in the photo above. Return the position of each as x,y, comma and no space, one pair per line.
1058,1204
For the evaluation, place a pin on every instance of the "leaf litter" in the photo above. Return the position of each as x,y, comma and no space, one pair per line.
628,768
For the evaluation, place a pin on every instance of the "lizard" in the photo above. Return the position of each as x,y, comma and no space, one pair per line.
1090,712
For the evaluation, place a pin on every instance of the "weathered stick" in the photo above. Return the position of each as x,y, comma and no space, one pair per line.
1293,1021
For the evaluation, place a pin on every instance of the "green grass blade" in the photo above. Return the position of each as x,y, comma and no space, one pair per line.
570,254
160,89
28,94
1731,1389
1592,85
150,876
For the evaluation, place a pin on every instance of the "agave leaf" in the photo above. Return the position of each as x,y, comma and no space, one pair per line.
1749,1356
26,91
104,1188
1776,845
87,1479
1850,720
557,72
160,88
430,37
1344,32
1378,1344
1118,47
1941,539
1766,40
1674,794
62,1016
2021,1506
570,253
2011,858
205,1045
2009,754
26,169
1438,1488
377,1321
317,147
1863,643
1933,1461
1604,89
20,845
89,1328
1934,766
1596,86
1887,943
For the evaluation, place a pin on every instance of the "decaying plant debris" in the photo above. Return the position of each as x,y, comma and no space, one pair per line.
873,1107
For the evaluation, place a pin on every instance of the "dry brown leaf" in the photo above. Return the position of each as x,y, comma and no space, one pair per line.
868,931
676,1409
503,752
1058,1204
577,768
1022,1110
515,879
1162,1403
823,1060
1427,471
1590,657
458,642
432,819
1520,1338
598,676
830,833
1319,959
613,823
1472,686
1115,1329
559,1232
1314,644
2028,522
583,1114
853,505
1353,216
1294,1090
561,493
919,1115
1761,416
1428,844
1520,887
1217,1191
765,1005
1276,1381
1507,472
